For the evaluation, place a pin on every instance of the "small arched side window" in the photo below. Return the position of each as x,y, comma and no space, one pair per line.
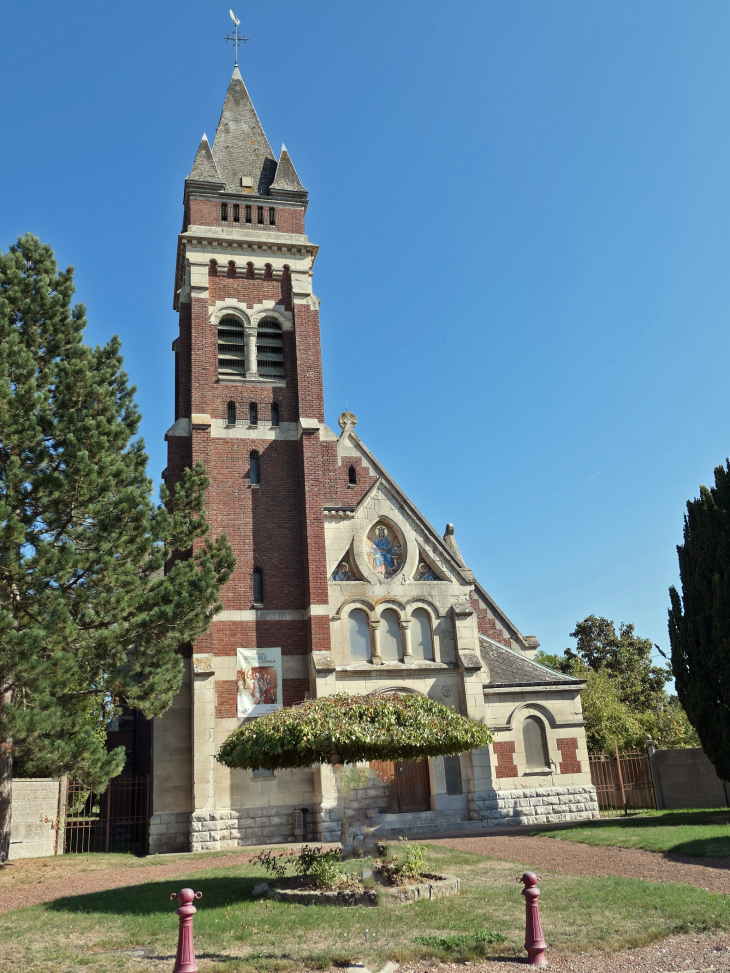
253,465
274,414
231,414
421,637
352,476
231,348
231,268
390,640
535,741
359,629
258,586
249,265
213,268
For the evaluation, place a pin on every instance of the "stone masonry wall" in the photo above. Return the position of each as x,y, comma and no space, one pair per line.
545,805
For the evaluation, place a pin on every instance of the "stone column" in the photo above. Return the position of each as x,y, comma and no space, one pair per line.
252,367
479,770
405,626
375,629
203,830
437,774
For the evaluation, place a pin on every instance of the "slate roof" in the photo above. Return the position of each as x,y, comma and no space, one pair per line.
240,147
287,183
204,168
510,668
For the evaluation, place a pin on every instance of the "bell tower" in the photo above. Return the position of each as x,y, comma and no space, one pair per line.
249,406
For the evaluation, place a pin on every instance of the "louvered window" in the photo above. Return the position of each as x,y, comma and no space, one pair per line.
270,350
231,348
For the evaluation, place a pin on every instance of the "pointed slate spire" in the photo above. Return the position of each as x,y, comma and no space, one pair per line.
204,168
287,184
240,148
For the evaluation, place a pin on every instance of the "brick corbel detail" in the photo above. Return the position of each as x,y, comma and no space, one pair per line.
504,752
568,747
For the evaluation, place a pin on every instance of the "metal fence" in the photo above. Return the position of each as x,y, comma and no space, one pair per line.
115,820
623,782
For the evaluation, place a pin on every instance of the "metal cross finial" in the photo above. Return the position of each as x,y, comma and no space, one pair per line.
237,39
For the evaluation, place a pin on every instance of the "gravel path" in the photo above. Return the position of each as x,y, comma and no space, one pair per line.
679,954
552,854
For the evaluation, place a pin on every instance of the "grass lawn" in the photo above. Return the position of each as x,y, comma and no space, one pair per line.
237,934
702,833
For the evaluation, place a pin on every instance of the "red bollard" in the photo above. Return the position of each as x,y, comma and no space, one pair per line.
185,959
534,941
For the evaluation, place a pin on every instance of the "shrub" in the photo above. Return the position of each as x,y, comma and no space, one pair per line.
343,729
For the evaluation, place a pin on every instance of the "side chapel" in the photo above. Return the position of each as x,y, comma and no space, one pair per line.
341,584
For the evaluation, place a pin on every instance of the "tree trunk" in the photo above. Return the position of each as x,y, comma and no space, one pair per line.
6,797
6,789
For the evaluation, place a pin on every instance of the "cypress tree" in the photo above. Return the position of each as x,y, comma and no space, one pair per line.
88,617
699,621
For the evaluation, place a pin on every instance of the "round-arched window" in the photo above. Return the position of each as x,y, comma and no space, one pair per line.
359,628
535,741
421,637
231,348
390,641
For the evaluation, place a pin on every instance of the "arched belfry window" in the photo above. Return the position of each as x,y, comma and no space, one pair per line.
270,349
535,741
254,467
390,640
352,476
231,348
359,630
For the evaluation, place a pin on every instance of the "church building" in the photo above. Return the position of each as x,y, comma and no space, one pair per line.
341,585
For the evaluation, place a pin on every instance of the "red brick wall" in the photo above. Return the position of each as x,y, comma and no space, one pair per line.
207,212
568,747
337,488
504,752
488,626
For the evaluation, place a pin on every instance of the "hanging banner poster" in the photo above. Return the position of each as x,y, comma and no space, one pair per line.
258,681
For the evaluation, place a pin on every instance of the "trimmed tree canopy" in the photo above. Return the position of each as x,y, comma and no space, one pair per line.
349,729
699,622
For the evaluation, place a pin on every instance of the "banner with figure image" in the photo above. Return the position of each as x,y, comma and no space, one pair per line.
258,681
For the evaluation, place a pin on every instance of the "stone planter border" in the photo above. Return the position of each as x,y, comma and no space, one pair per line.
435,887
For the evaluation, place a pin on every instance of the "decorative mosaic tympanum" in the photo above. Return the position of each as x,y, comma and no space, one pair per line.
384,549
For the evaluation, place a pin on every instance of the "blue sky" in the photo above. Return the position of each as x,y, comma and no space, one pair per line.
523,213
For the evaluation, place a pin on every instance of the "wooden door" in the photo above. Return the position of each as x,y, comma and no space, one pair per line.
414,789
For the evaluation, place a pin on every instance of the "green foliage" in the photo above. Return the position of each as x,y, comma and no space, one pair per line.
413,863
624,699
350,729
460,941
699,622
88,619
314,863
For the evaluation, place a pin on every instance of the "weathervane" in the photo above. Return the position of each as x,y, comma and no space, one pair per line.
236,38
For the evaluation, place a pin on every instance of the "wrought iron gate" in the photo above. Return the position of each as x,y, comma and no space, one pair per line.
623,782
115,820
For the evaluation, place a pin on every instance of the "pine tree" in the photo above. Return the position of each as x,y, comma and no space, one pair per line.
699,622
88,618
